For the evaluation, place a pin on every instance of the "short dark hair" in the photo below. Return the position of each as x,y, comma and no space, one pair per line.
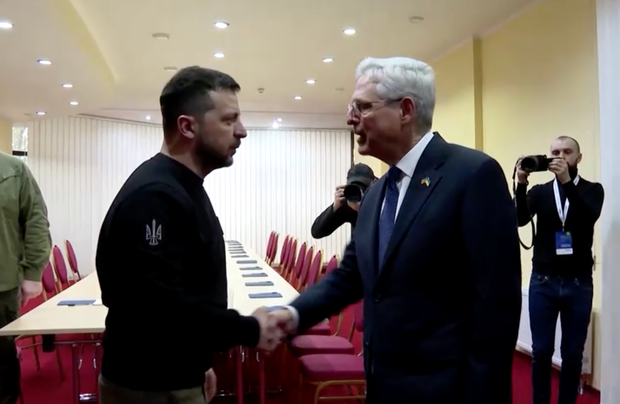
187,93
573,139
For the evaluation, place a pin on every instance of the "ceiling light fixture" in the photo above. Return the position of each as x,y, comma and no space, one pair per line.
148,118
311,81
5,25
279,120
40,113
221,24
328,60
275,125
349,31
170,69
416,19
67,85
44,62
219,55
162,36
74,103
298,97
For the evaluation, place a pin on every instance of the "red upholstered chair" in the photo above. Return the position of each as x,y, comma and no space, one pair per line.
305,269
274,248
323,370
296,270
289,263
283,254
60,267
317,264
72,261
269,244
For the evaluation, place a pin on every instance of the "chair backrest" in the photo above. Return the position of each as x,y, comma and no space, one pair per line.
274,247
301,283
358,315
284,251
332,265
72,259
60,266
299,264
315,268
269,244
290,259
47,278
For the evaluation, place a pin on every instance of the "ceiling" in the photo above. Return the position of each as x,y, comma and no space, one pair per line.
106,50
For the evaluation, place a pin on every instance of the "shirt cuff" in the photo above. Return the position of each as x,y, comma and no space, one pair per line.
295,316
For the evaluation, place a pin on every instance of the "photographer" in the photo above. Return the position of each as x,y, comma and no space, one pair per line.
346,202
561,284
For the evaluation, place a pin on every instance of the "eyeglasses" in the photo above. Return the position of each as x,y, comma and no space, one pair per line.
363,108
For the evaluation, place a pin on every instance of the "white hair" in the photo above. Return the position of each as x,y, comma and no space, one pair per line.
400,77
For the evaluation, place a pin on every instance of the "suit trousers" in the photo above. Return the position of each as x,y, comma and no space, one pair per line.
110,393
10,372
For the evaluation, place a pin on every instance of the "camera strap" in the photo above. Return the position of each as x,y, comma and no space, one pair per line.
558,201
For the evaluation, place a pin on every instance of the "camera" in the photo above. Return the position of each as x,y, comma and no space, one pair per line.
354,192
531,164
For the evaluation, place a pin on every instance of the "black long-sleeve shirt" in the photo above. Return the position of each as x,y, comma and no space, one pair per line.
585,205
329,221
161,263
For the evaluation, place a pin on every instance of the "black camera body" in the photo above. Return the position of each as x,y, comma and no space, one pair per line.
354,191
538,163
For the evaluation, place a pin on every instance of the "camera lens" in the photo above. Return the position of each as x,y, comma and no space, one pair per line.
353,193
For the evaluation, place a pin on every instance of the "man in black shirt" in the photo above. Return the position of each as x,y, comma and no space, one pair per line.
567,209
343,211
161,256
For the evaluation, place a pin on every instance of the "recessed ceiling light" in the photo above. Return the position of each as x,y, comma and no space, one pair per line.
275,125
148,118
67,85
219,55
311,81
416,19
328,60
349,31
279,119
5,25
74,103
170,69
41,113
44,62
161,36
298,97
221,24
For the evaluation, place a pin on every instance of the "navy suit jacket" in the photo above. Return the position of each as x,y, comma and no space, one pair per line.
441,315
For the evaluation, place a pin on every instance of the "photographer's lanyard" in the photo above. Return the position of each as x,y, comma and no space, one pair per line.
558,201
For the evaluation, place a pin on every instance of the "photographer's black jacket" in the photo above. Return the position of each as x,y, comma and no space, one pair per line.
330,220
586,202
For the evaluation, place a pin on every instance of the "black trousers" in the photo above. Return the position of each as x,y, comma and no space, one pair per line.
10,373
571,299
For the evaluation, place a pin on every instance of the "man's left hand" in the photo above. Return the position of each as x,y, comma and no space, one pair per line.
30,290
354,205
210,385
559,167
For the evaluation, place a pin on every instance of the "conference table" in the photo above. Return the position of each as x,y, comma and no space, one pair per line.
87,316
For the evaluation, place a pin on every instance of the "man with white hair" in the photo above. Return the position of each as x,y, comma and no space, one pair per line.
435,256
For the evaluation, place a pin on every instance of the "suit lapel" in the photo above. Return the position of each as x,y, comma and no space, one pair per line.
424,180
374,201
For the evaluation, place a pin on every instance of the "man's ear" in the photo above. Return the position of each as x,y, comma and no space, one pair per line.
187,126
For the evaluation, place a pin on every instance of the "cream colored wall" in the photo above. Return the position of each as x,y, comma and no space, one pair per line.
537,80
6,136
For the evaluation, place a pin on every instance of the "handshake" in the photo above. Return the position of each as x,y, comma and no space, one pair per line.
275,327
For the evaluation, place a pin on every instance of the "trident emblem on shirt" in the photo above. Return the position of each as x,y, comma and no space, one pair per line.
153,233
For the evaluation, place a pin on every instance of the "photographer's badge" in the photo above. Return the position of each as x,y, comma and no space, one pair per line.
563,243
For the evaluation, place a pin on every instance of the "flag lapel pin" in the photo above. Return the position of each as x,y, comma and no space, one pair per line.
426,181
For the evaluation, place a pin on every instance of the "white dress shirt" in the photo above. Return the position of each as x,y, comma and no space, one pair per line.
407,165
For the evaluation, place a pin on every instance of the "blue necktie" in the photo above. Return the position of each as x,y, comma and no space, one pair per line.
388,214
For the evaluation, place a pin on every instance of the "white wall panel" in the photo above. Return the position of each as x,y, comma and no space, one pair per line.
281,180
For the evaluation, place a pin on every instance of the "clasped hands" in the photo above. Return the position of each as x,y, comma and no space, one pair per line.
275,327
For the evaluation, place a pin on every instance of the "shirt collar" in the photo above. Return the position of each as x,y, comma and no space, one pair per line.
409,162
